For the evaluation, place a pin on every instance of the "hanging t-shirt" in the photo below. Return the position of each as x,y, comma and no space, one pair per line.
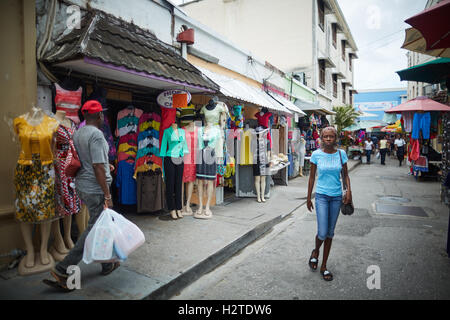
69,102
126,183
328,172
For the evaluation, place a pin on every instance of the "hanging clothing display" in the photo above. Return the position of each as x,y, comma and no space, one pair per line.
150,192
67,200
421,122
127,131
69,102
186,115
34,175
246,148
236,119
148,143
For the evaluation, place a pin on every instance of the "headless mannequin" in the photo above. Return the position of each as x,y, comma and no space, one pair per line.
175,213
209,185
189,185
61,249
43,261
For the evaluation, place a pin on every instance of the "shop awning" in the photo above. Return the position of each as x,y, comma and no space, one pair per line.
433,71
111,48
288,104
307,106
239,90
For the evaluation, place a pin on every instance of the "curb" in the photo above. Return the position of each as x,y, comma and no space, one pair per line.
186,278
177,284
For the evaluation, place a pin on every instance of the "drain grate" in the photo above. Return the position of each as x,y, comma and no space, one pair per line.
394,199
401,210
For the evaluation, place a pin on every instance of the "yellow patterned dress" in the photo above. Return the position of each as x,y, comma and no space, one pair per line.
34,176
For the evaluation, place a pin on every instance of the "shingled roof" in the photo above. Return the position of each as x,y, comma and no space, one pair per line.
122,44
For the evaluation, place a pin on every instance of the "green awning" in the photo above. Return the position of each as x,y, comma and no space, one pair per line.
433,71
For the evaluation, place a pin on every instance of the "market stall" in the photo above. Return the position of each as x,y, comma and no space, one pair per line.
422,121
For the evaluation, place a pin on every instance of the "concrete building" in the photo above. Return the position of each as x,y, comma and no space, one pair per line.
307,39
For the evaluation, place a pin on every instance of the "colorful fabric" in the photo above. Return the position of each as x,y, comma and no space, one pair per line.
168,116
189,173
126,183
186,115
69,102
127,112
35,191
67,200
35,139
421,122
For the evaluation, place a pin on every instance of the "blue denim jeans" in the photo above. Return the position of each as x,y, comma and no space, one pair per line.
327,211
368,153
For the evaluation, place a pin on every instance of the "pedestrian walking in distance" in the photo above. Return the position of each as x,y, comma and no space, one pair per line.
383,146
369,147
326,161
93,181
400,148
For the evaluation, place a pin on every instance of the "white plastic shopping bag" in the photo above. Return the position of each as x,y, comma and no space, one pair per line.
99,244
378,155
128,236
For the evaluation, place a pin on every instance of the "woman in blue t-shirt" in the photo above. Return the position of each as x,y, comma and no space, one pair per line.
327,162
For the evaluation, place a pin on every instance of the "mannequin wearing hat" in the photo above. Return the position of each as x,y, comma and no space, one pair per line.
34,180
264,143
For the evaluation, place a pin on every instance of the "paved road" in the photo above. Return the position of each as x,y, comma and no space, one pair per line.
410,251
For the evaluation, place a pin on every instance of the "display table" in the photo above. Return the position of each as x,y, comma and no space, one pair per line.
278,167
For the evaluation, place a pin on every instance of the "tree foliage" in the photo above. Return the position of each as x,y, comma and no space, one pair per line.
345,116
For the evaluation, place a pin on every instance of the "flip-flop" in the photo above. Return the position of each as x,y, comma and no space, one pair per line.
114,267
326,275
313,260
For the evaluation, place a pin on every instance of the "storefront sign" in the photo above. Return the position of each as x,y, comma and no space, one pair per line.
166,98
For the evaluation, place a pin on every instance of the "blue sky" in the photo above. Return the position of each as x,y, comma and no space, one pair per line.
378,28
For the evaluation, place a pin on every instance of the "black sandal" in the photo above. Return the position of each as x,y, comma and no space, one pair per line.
326,275
313,261
113,267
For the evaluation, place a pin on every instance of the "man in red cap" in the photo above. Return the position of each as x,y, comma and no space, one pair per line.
92,185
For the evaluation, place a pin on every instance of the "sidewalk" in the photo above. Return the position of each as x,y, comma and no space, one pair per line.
176,252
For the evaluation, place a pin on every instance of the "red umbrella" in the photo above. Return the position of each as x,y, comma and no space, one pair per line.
419,104
434,24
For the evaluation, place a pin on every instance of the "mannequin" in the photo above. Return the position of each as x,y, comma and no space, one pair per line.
260,169
206,167
302,154
263,153
68,202
189,173
34,182
173,149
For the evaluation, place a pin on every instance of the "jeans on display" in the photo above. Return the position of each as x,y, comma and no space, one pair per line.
327,212
94,203
368,153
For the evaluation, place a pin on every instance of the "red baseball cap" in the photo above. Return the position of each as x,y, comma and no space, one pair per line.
92,106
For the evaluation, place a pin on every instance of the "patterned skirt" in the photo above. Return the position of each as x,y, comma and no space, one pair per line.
207,166
35,192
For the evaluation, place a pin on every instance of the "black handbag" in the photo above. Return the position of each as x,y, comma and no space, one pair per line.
346,208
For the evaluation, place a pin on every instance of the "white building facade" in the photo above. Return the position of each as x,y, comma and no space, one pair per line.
309,39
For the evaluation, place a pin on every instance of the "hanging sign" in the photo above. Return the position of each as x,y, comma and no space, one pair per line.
174,99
